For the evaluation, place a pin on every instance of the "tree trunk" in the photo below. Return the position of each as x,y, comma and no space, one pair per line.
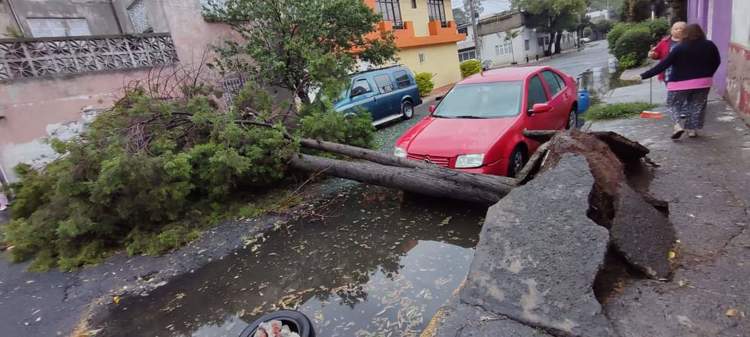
407,179
498,184
558,38
424,178
548,52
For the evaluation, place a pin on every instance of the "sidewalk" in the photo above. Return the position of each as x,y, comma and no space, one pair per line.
638,93
651,89
707,183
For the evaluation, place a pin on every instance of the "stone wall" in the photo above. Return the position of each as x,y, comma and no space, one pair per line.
738,67
35,109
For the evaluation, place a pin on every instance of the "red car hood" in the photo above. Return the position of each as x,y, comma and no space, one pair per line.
447,137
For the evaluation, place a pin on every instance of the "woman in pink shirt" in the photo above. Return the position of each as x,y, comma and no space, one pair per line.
693,63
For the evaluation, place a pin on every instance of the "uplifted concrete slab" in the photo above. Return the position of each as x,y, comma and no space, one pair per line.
462,320
539,254
642,234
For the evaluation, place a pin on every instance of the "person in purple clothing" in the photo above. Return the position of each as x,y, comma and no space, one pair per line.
693,63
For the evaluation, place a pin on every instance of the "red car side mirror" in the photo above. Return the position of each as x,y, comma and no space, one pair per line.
541,108
432,108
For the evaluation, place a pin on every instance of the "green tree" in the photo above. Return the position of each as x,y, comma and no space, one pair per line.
552,16
460,16
605,4
478,8
639,10
300,45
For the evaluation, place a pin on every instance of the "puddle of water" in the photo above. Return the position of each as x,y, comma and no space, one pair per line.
600,81
375,265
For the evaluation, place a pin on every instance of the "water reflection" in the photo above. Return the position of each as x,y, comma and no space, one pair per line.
374,265
599,81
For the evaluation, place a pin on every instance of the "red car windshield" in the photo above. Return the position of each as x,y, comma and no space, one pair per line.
482,100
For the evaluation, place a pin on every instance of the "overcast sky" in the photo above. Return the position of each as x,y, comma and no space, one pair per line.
490,6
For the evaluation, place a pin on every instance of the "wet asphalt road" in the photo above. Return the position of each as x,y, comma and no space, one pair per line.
593,56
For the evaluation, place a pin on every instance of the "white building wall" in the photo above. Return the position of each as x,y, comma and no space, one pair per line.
495,47
500,51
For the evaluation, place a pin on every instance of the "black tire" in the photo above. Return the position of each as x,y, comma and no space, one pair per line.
516,161
572,120
407,110
296,321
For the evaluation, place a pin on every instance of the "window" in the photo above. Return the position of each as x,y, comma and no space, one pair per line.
391,11
137,15
437,11
467,55
526,45
402,79
536,93
421,58
540,41
360,87
56,27
384,84
497,50
413,3
482,100
463,30
553,81
507,46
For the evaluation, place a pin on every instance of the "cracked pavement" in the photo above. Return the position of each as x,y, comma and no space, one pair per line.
706,181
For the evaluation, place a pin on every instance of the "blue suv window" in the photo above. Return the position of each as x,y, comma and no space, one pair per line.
360,86
384,84
402,79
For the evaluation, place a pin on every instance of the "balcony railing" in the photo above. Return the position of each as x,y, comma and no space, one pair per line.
44,57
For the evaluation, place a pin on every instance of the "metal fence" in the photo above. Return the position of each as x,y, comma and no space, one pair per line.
232,84
42,57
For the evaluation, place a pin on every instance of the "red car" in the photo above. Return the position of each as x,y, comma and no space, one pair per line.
478,126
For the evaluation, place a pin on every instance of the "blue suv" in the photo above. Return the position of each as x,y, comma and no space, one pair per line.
388,94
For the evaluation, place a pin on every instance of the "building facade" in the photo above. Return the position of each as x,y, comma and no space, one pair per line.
63,61
505,39
426,36
727,24
466,47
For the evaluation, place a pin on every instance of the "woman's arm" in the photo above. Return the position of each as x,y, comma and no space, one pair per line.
662,66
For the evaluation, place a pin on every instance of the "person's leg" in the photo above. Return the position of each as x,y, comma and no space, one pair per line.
676,101
696,109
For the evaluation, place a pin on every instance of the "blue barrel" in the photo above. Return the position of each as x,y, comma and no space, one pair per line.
583,101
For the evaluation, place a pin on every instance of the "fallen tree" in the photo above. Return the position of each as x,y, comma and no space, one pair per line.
150,173
378,168
422,181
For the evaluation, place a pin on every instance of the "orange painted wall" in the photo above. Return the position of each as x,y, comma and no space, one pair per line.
407,38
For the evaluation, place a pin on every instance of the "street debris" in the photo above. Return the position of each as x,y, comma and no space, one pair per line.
274,329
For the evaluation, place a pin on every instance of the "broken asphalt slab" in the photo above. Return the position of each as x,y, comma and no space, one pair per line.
639,231
458,319
539,254
643,235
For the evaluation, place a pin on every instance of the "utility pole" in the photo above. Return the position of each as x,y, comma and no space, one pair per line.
474,30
